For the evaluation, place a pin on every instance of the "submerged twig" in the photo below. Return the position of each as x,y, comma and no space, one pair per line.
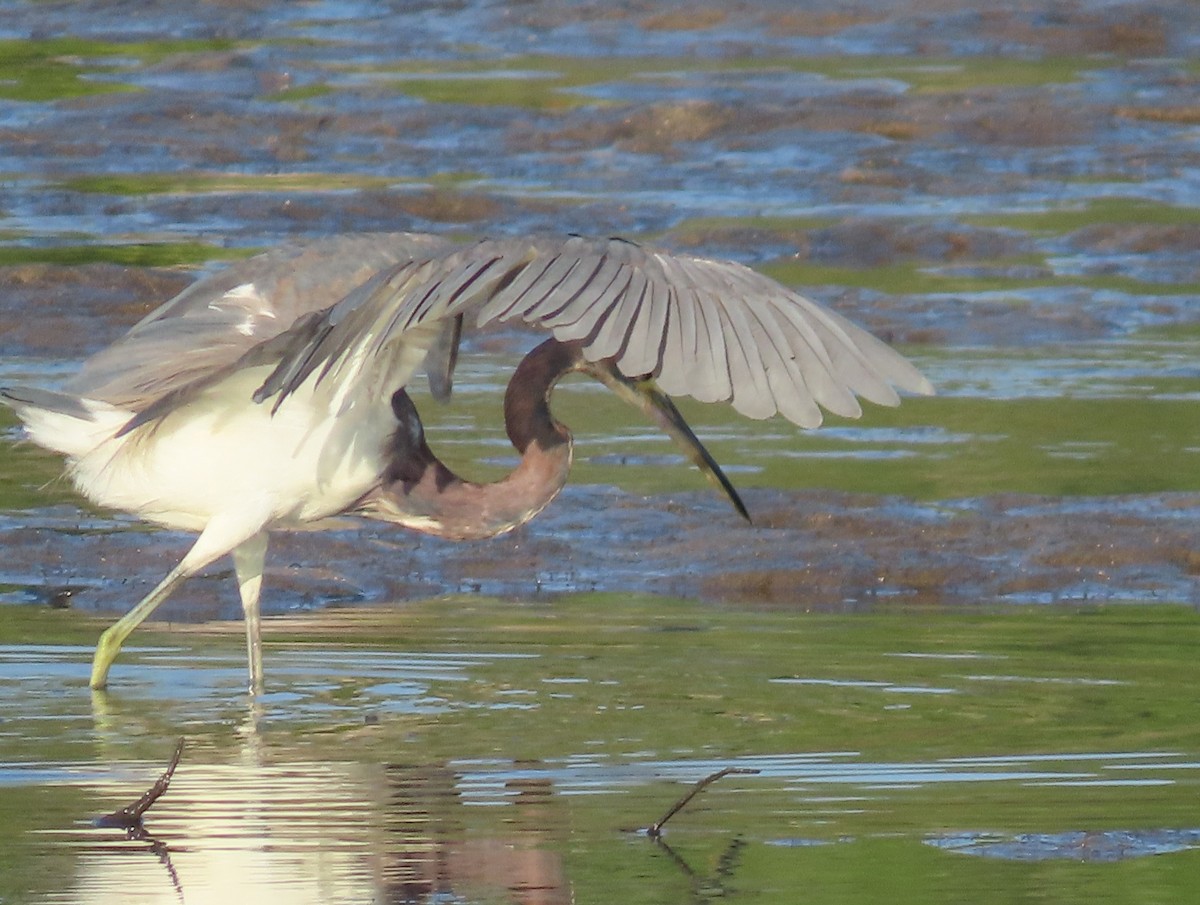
654,831
130,817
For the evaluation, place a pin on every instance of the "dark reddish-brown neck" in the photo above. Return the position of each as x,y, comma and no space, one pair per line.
417,490
527,417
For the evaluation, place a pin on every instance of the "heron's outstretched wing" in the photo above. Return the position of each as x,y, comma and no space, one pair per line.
200,334
707,329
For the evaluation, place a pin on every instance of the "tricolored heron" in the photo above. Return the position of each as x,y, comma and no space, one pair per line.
273,393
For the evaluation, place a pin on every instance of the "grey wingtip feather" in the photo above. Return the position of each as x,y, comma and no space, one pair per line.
904,376
47,400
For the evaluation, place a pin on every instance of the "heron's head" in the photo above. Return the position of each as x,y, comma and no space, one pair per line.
409,456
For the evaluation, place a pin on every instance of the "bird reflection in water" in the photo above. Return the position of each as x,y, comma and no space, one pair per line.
432,856
307,833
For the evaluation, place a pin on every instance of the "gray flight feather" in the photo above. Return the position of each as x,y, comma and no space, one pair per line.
340,312
20,397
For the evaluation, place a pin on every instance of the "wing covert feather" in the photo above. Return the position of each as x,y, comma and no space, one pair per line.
208,328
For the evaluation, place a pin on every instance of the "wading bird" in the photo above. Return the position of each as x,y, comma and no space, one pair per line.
272,394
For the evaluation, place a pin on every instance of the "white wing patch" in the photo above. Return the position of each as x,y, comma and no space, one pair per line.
252,303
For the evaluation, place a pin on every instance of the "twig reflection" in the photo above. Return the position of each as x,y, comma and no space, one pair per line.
707,888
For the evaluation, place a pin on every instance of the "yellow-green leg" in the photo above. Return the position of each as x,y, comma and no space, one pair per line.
114,636
220,536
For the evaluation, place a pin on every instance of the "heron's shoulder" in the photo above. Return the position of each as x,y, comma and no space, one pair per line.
294,279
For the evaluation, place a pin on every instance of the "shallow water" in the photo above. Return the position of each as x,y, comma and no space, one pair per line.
519,752
965,627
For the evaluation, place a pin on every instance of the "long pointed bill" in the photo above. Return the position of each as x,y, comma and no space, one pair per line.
644,395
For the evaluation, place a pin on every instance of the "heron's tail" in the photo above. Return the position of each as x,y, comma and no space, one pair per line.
72,425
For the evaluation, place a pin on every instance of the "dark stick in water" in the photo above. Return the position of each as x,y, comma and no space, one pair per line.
655,830
130,816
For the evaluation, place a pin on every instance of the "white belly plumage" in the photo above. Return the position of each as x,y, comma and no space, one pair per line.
216,455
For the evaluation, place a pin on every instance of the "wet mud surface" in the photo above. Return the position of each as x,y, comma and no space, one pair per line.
807,551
